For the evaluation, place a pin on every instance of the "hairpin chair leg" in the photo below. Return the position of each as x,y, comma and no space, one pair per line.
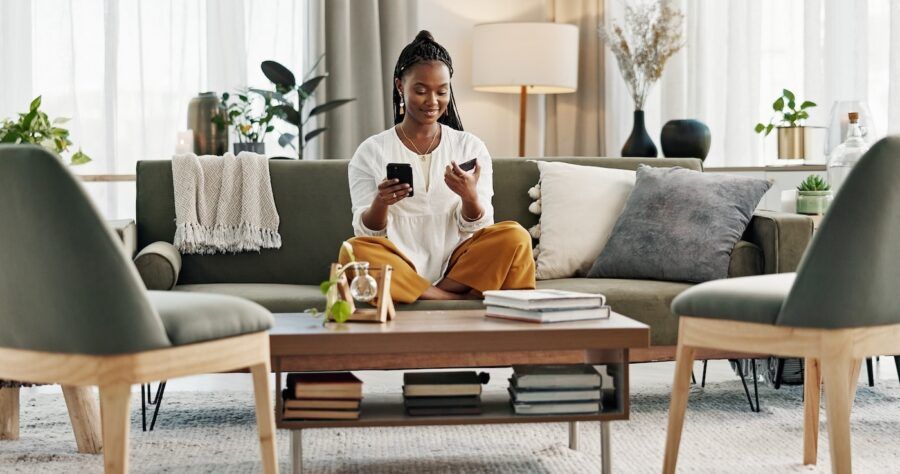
897,365
740,370
146,399
869,371
779,372
703,378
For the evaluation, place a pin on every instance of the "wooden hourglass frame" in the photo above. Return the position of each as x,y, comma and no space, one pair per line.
384,308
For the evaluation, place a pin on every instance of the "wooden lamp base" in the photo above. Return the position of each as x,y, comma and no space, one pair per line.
384,309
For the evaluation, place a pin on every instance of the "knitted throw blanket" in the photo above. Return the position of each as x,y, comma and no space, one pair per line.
224,204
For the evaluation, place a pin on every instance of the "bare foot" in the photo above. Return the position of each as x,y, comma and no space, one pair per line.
435,293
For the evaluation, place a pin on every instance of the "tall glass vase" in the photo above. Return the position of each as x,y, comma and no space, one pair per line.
639,143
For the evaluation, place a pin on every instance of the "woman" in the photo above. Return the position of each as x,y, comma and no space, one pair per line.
439,235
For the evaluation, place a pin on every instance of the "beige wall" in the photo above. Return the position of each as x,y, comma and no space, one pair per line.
492,117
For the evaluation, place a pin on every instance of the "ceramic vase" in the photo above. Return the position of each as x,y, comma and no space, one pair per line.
639,143
685,138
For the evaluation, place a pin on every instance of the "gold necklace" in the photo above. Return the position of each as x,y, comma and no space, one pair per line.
421,155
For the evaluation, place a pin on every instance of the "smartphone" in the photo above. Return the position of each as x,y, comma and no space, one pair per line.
401,172
469,165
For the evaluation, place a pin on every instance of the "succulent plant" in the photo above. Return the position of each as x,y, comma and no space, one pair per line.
814,182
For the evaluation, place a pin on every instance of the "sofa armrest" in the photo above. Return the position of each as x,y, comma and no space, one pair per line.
159,265
783,238
127,232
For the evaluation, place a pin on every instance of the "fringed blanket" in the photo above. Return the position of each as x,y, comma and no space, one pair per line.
224,204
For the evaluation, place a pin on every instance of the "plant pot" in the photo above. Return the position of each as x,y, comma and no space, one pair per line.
208,138
639,143
791,143
685,139
258,148
813,202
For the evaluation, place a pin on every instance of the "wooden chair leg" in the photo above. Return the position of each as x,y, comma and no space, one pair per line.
837,405
85,416
812,389
684,360
265,417
114,401
855,369
9,413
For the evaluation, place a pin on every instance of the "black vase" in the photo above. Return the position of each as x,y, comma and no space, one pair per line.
685,139
639,143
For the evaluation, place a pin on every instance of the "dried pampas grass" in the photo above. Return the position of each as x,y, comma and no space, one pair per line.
652,34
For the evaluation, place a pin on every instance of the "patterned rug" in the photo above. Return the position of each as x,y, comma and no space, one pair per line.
215,432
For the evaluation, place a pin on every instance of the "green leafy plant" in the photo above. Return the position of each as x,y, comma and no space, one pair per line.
336,309
292,99
786,112
814,182
36,128
250,121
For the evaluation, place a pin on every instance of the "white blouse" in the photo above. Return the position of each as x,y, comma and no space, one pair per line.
428,226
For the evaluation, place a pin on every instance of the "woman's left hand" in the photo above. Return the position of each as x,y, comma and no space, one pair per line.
463,183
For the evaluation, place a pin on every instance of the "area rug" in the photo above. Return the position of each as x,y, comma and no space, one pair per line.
216,432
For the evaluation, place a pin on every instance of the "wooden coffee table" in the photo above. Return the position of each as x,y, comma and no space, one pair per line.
453,339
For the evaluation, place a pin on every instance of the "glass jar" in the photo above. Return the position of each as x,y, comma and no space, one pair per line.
844,156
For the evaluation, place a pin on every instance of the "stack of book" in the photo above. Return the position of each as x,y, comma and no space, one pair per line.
442,393
545,306
555,389
322,396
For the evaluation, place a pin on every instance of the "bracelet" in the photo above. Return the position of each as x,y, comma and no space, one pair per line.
471,220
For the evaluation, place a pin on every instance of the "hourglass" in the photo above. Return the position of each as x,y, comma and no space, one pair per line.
363,288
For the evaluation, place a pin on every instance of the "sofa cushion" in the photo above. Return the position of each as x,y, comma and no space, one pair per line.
159,264
579,207
275,297
647,301
198,317
679,225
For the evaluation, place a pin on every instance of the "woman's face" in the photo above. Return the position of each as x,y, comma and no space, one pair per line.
425,89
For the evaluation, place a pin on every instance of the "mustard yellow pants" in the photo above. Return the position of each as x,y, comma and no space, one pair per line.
497,257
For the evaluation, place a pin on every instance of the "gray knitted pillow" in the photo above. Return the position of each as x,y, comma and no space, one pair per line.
679,225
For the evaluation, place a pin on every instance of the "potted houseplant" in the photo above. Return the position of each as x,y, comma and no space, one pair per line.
251,122
813,195
789,120
652,33
291,99
36,128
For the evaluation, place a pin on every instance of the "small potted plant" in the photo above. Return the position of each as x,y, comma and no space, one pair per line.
249,120
813,195
789,120
36,128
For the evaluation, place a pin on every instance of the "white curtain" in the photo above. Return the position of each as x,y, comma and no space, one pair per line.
125,70
740,55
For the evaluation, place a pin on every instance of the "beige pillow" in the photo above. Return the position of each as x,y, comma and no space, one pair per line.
579,206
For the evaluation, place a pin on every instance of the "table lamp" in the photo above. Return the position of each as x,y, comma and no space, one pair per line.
525,58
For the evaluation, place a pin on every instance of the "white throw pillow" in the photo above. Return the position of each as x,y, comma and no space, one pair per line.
579,207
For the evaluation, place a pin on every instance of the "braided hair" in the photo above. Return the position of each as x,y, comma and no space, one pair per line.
424,49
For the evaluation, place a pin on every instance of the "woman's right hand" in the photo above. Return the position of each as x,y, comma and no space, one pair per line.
391,191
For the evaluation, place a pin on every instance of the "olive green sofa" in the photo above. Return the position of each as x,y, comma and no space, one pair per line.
313,202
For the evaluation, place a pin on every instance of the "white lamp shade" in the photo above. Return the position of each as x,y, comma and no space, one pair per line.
541,56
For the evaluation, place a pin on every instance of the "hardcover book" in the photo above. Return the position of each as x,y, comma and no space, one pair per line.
443,411
442,384
555,376
293,414
327,385
539,299
548,315
537,396
555,408
431,402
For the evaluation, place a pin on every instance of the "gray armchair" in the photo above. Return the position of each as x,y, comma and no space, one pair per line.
841,306
74,311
